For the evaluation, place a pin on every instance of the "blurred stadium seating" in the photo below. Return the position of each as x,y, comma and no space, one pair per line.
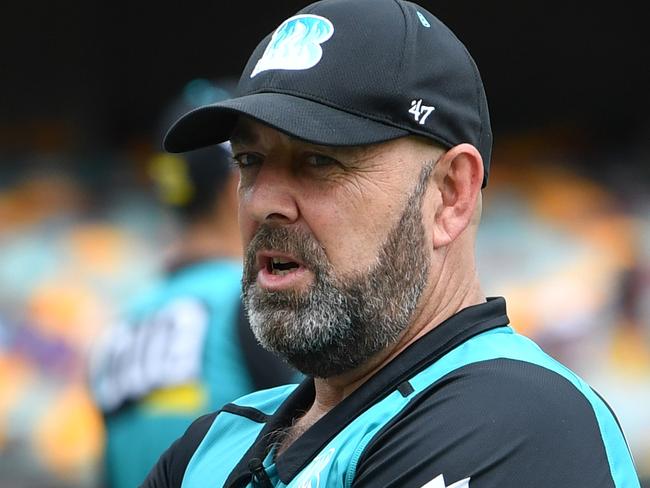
570,251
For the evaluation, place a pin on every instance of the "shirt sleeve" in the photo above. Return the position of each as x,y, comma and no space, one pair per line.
502,423
168,472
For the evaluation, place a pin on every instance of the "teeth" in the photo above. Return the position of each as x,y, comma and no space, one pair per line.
281,267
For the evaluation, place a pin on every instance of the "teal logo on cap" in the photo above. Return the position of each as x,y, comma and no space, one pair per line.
423,19
296,44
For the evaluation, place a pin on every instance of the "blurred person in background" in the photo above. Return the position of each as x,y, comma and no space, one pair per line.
183,348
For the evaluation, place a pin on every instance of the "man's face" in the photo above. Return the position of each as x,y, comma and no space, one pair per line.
336,254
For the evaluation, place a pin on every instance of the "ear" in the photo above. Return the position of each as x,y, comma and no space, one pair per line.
458,175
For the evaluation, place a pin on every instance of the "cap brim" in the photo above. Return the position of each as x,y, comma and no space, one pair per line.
300,118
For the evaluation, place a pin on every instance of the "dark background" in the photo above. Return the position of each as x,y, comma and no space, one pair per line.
107,68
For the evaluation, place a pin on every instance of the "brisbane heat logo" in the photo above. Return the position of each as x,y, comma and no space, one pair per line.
296,44
439,482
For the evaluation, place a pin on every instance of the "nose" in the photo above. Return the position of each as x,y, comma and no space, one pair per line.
270,196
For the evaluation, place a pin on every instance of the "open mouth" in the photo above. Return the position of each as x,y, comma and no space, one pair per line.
279,271
280,266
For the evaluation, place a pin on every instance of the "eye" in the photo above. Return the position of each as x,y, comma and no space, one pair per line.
246,160
320,160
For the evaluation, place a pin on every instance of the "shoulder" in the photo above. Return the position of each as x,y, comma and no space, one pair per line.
168,472
208,430
504,421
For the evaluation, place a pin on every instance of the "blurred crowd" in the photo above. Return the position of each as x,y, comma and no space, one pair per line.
565,237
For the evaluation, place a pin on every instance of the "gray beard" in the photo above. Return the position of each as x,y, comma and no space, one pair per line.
339,324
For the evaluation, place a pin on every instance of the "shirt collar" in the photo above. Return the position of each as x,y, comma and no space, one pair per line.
425,351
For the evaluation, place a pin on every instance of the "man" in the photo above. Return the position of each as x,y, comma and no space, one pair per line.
363,139
184,347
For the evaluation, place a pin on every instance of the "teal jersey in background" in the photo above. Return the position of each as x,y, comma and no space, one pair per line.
181,350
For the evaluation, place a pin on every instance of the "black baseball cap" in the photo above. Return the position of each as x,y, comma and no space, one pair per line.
353,72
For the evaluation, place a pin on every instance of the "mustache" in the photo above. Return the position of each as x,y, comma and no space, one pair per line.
293,241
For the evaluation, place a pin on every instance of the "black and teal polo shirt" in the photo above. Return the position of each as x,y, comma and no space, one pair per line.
472,404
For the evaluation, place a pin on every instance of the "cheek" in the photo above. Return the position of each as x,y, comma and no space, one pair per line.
351,237
246,227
